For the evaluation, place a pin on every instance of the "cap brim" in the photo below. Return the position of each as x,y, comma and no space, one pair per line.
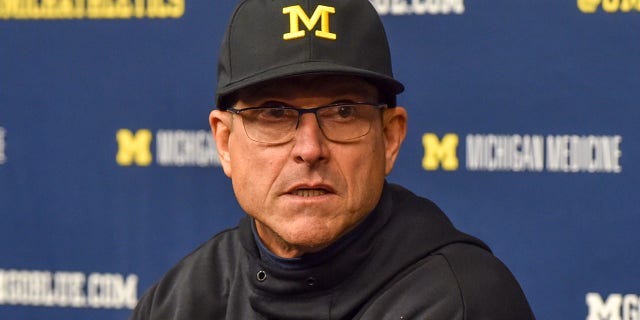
386,84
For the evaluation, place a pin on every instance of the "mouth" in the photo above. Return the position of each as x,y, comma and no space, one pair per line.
310,190
305,193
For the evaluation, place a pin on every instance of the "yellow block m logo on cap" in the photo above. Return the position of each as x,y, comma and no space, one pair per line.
297,14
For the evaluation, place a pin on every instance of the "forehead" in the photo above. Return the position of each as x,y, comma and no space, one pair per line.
311,87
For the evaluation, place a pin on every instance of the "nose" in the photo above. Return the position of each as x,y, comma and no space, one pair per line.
309,143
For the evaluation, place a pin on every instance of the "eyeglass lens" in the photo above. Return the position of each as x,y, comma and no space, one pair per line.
337,122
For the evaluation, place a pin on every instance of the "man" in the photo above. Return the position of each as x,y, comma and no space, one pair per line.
307,129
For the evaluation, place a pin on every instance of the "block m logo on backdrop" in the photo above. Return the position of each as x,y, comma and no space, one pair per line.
440,152
134,148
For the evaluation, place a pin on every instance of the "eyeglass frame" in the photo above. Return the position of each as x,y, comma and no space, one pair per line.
301,111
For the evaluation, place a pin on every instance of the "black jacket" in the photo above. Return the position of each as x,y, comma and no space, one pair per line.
408,263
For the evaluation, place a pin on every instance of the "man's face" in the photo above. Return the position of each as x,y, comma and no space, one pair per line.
306,193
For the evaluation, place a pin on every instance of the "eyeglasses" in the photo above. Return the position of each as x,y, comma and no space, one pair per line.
339,122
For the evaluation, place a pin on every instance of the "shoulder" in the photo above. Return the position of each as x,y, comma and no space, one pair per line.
212,263
460,281
469,280
488,290
218,253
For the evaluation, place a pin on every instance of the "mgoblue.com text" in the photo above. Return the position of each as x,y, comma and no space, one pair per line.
418,7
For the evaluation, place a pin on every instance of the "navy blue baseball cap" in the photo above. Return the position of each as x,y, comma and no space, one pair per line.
272,39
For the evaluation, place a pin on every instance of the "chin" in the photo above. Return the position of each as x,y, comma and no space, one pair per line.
311,240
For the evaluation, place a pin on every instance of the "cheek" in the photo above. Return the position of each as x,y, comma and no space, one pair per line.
365,175
254,171
243,168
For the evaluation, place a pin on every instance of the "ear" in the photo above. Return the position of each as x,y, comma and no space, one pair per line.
220,123
394,131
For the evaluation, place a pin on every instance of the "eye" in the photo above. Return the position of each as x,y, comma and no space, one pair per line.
273,113
346,111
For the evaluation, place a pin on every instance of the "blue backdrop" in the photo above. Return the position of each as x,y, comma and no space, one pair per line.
523,128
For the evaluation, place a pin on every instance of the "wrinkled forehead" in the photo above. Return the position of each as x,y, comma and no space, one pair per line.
316,86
